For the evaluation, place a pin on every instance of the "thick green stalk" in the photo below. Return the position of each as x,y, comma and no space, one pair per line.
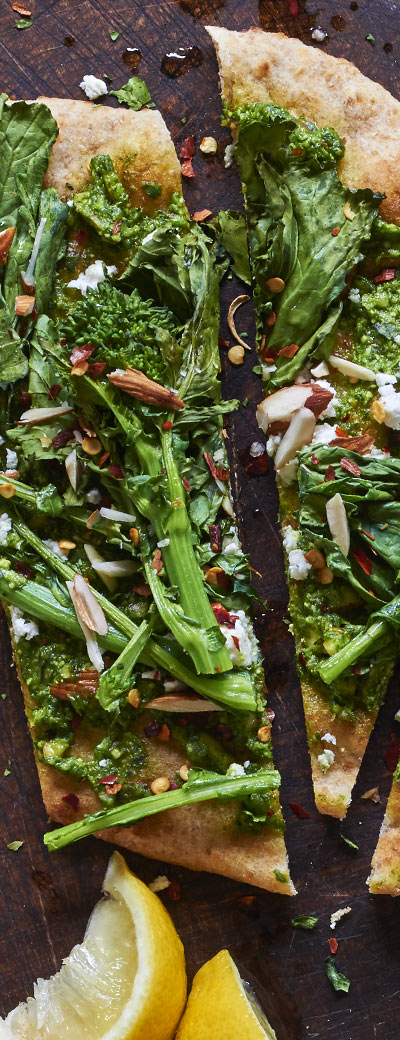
196,790
365,642
114,681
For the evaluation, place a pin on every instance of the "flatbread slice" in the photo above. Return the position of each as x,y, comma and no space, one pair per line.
203,837
267,68
384,879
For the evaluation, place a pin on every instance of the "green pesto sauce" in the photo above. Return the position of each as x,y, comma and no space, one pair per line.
320,147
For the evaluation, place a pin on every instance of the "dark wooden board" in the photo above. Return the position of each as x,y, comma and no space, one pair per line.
46,899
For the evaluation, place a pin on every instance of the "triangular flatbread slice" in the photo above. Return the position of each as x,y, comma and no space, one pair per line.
384,879
204,836
278,93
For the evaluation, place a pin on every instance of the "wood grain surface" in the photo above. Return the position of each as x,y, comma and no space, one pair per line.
45,899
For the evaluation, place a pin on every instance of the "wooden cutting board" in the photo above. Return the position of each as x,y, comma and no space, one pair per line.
45,899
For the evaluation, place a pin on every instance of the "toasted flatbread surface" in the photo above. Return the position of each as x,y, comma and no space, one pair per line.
384,878
260,66
202,837
256,66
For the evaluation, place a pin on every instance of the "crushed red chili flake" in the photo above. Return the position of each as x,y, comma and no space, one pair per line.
297,151
80,236
62,438
96,369
72,800
270,715
187,148
167,425
289,351
186,484
223,342
82,353
215,538
351,467
174,891
385,276
187,169
116,471
24,397
368,535
299,811
235,641
335,231
392,754
109,779
363,560
356,669
333,945
116,227
329,473
340,432
218,472
143,589
314,459
201,214
103,458
223,616
22,568
303,660
294,8
54,391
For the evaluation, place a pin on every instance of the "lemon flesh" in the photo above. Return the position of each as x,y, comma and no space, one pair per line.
125,981
219,1007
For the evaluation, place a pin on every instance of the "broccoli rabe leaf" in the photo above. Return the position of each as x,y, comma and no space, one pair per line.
134,93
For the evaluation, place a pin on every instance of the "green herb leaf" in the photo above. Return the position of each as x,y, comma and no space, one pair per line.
23,23
338,981
234,236
134,93
283,878
15,845
114,35
351,844
152,190
303,921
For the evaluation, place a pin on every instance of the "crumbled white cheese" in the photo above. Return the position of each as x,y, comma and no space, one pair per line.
92,277
354,295
320,370
329,738
22,628
163,543
287,474
229,155
303,376
159,884
391,403
230,543
70,203
93,87
55,548
246,653
5,527
383,378
235,769
290,538
174,685
318,35
273,443
266,370
219,456
338,915
323,434
377,453
93,496
298,565
326,760
11,460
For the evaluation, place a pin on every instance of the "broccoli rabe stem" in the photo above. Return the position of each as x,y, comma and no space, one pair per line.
115,680
373,638
198,789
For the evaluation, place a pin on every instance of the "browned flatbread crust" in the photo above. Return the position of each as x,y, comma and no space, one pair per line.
202,837
384,879
260,66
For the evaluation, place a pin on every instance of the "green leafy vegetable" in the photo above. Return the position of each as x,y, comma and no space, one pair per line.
200,787
23,23
134,93
114,35
104,204
283,878
304,921
338,981
234,236
351,844
14,846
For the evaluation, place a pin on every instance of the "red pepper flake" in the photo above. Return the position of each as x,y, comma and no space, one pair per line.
174,891
103,458
167,425
143,589
109,779
299,811
330,473
201,214
270,715
116,227
314,459
187,148
116,471
368,535
72,800
340,432
54,391
335,231
223,616
266,356
392,756
215,538
351,467
356,669
186,484
363,561
294,8
24,398
96,369
222,342
386,275
333,945
303,660
297,151
187,169
288,351
256,467
82,353
80,236
218,472
23,568
235,641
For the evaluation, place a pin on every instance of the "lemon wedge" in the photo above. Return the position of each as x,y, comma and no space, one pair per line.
125,981
219,1006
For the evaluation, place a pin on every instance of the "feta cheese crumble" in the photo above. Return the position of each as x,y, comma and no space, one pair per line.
93,497
390,400
266,370
338,915
326,760
290,538
329,738
298,565
383,378
22,629
235,769
318,35
11,460
5,527
93,87
230,543
323,434
159,884
273,443
240,641
92,277
55,548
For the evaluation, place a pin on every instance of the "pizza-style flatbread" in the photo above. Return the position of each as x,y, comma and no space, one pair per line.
268,67
203,837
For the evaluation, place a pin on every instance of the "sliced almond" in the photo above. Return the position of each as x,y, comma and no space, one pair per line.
280,406
94,557
338,523
21,9
6,238
183,702
24,305
117,515
37,415
231,312
350,369
88,608
227,506
298,434
92,519
138,385
93,649
74,469
320,370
